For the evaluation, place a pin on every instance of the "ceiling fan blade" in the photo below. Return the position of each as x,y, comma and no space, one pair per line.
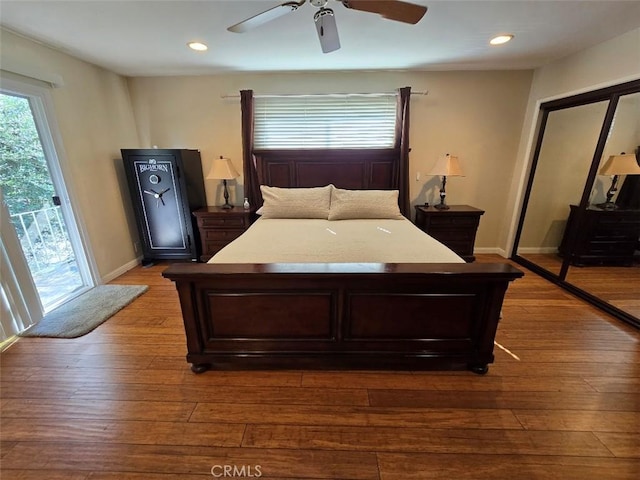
265,16
327,30
391,9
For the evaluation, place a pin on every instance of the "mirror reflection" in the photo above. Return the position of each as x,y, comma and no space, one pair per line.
566,153
605,259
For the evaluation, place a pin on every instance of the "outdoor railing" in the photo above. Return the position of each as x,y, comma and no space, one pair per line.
44,238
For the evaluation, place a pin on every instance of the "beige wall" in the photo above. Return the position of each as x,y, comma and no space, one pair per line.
564,161
475,115
608,63
94,117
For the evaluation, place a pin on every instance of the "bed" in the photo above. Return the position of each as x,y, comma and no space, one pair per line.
395,299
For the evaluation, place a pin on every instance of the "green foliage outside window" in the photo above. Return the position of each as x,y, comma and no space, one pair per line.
24,177
27,188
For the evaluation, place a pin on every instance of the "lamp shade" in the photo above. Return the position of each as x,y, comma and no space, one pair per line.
623,164
222,169
447,166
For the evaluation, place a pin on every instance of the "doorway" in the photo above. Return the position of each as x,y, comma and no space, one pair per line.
36,210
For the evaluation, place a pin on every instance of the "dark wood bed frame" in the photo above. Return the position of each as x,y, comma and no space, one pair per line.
373,316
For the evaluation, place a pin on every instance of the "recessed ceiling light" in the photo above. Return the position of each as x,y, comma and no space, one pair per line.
500,39
199,47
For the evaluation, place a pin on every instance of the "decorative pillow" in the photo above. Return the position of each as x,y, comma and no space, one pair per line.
295,202
351,204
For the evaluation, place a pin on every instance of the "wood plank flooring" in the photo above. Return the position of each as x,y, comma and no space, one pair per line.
562,400
619,286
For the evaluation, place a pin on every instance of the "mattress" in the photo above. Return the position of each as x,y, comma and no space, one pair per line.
342,241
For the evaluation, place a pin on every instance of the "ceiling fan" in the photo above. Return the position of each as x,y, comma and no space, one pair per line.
325,20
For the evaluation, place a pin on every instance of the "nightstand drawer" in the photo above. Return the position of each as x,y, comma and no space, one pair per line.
616,230
212,248
609,246
461,248
454,221
222,235
221,221
446,236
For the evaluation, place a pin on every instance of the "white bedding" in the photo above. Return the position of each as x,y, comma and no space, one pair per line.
271,240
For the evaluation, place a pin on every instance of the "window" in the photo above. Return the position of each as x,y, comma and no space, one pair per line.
325,121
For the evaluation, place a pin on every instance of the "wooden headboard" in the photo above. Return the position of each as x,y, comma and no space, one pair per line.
371,169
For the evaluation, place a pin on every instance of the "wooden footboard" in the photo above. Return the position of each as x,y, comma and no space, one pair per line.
373,316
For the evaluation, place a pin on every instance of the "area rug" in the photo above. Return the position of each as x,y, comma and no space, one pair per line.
84,313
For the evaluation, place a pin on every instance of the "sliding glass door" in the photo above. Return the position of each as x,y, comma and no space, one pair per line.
37,214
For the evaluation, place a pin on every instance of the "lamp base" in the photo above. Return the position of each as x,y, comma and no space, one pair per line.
226,205
608,204
443,195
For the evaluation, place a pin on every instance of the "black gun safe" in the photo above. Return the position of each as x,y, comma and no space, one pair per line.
166,186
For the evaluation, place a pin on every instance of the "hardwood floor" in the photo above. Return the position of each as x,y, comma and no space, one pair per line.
562,400
619,286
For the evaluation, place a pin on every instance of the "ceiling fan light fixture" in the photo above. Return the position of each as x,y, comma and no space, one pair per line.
327,30
198,46
501,39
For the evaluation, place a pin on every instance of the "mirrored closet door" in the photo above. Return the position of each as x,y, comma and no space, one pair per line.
575,229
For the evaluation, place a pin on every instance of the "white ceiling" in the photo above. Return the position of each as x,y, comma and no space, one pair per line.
149,37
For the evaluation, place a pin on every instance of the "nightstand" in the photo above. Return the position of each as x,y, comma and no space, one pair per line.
218,227
606,237
455,227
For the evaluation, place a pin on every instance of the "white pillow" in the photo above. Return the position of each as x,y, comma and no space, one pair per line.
351,204
295,202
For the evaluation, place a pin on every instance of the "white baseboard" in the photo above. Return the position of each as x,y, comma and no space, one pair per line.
491,250
123,269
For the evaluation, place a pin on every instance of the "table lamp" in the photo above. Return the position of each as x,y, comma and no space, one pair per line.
223,169
623,164
447,166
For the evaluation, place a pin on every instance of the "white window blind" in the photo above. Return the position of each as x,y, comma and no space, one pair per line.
325,121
